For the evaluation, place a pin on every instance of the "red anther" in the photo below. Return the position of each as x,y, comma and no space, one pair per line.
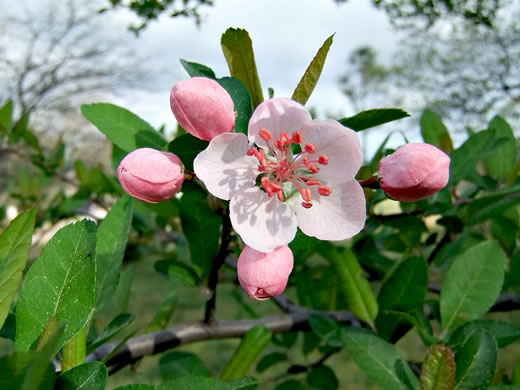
313,182
305,161
275,187
306,194
278,145
307,205
324,190
264,181
313,168
324,159
284,137
297,137
280,195
251,151
310,148
261,168
265,134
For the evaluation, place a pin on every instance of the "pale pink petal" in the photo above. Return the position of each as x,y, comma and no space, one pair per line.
263,275
262,222
338,216
277,115
340,144
225,167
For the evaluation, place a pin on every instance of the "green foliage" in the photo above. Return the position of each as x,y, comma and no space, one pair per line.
238,50
60,284
322,377
242,100
15,242
204,383
311,76
435,132
501,162
503,332
163,313
270,360
186,147
87,376
438,369
371,118
122,127
248,351
113,328
197,70
175,364
472,284
112,236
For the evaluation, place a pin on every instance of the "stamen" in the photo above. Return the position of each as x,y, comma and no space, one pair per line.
305,161
266,134
278,145
297,137
313,168
286,140
324,159
306,194
324,190
313,182
310,148
307,205
264,181
280,195
251,151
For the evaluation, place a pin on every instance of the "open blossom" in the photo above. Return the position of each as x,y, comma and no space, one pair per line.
202,107
414,171
150,175
273,190
263,275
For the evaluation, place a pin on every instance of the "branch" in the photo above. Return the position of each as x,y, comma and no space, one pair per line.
154,343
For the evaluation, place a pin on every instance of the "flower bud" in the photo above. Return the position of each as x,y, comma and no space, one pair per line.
202,107
150,175
263,275
414,172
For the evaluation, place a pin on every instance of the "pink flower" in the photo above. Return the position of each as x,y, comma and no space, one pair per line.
150,175
414,172
202,107
273,189
263,275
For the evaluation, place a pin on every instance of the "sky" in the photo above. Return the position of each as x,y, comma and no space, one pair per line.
286,35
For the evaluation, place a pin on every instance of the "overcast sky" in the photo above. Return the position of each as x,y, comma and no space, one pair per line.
286,35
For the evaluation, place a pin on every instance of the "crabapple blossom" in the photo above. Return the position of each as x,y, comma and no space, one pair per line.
413,172
298,173
263,275
202,107
150,175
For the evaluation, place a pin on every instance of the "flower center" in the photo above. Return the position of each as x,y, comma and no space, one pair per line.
279,166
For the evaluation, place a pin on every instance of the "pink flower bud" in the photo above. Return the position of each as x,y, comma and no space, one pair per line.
202,107
414,172
263,275
150,175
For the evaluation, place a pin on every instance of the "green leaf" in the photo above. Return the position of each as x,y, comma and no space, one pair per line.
238,50
472,284
201,226
476,362
186,147
438,369
379,360
15,243
503,332
421,323
204,383
61,283
249,349
355,288
175,364
136,387
270,360
465,158
87,376
122,127
114,327
311,76
13,369
435,132
322,377
403,290
111,243
489,209
242,100
6,115
327,329
371,118
163,313
37,372
197,70
291,384
501,162
178,271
